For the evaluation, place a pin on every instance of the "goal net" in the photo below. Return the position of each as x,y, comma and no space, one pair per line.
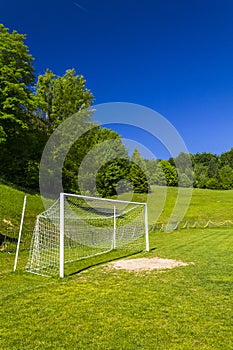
77,227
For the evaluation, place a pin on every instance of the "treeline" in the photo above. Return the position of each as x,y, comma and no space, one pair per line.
201,170
31,109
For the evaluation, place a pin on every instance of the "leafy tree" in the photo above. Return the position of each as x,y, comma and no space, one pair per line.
137,159
206,168
158,176
190,173
111,175
204,158
226,158
17,105
16,78
183,162
2,134
59,97
92,163
184,180
226,176
138,175
172,161
155,173
45,93
213,184
169,173
200,175
151,165
213,169
110,152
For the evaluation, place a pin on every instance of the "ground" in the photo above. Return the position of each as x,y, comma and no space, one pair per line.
146,264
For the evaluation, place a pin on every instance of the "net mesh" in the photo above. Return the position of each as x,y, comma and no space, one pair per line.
92,226
190,224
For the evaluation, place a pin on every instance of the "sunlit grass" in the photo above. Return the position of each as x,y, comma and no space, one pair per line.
96,307
100,308
204,204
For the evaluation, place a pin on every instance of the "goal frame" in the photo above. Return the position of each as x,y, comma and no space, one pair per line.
62,223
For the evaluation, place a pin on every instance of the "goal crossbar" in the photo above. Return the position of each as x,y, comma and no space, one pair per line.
102,199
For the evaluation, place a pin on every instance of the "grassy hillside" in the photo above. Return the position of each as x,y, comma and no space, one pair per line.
205,204
187,307
11,203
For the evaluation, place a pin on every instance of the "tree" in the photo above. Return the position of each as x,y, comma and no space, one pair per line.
184,180
213,184
16,78
96,162
169,173
183,162
138,175
17,104
200,175
59,97
213,169
204,158
151,165
226,176
159,177
2,134
206,170
156,175
45,93
112,178
226,158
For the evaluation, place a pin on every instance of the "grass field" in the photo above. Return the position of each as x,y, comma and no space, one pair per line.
204,205
183,308
96,307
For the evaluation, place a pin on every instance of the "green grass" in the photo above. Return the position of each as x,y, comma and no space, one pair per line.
204,204
95,307
99,308
11,204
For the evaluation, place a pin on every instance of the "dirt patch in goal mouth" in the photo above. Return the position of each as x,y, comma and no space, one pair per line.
145,264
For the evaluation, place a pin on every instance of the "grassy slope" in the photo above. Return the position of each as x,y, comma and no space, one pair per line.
184,308
204,205
11,203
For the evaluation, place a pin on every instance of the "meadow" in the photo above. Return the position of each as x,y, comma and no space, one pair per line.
97,307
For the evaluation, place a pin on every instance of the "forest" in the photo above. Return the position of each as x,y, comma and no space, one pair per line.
33,106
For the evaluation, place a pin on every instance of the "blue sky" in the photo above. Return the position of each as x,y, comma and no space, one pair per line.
174,56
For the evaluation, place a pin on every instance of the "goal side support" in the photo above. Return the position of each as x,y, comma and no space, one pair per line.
114,228
146,228
62,233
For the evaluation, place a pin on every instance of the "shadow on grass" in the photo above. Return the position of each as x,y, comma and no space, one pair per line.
85,264
18,187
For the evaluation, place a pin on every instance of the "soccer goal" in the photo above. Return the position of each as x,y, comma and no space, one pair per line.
76,227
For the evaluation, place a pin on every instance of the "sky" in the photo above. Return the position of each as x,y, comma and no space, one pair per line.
172,56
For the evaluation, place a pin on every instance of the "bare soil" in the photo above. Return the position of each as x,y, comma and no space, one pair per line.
146,264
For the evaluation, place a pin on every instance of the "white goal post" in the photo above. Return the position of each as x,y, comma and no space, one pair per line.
76,227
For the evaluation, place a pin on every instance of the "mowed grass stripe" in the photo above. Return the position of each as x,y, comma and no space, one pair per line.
183,308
